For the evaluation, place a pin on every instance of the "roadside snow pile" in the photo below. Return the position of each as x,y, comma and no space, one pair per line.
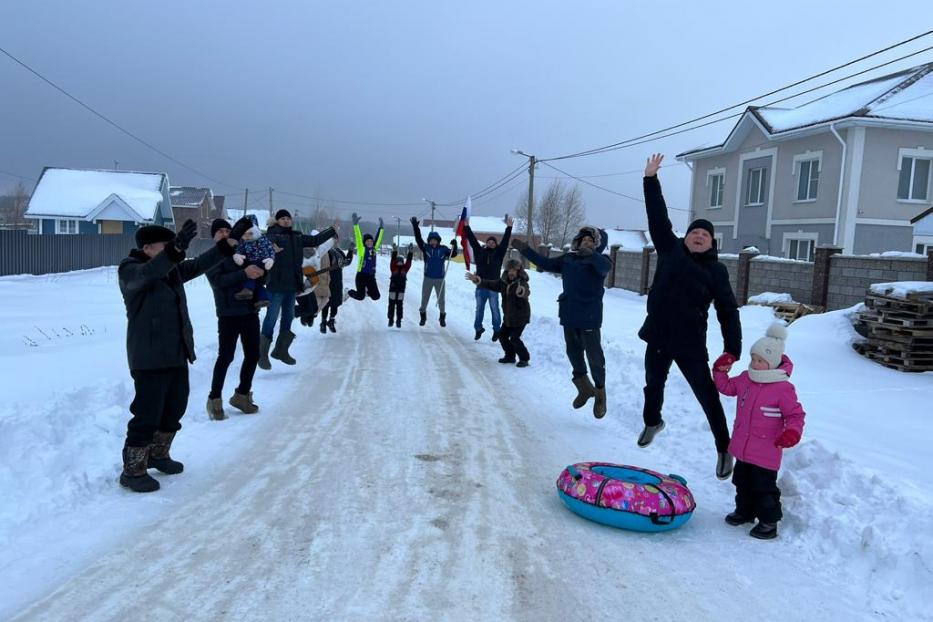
902,289
768,298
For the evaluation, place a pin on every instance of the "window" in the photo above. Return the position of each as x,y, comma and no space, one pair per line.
800,249
914,181
755,188
718,239
921,249
717,186
66,227
808,180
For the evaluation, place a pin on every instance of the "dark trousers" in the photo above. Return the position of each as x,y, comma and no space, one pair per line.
160,402
396,305
365,286
244,328
330,308
510,338
756,492
698,375
586,342
306,308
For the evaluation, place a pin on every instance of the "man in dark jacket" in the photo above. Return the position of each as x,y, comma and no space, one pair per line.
436,256
583,272
284,282
688,278
237,320
513,285
488,260
160,343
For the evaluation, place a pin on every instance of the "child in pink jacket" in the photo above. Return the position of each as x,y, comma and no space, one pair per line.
768,419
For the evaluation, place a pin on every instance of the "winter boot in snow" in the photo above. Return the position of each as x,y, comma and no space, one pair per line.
495,335
215,409
724,463
332,325
391,323
264,344
398,322
585,390
158,454
506,360
647,435
735,519
323,327
443,320
522,364
764,531
244,403
479,333
280,351
134,474
424,318
599,406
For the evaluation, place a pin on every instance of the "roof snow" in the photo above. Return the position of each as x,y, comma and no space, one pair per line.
188,196
628,238
487,224
72,193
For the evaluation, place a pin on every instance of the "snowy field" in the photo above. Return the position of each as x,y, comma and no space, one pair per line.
405,475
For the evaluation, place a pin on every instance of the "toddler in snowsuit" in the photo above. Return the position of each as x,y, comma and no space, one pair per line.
513,285
397,282
768,420
255,249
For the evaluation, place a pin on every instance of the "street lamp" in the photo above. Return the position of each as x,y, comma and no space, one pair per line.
433,207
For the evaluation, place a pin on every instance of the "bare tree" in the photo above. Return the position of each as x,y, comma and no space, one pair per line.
571,216
13,208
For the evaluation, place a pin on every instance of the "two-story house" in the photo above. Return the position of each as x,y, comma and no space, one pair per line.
197,204
852,168
72,201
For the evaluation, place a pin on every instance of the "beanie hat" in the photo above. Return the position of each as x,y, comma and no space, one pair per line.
367,237
771,346
702,223
219,223
492,238
152,234
283,213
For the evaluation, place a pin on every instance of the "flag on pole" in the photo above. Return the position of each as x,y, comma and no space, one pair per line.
461,232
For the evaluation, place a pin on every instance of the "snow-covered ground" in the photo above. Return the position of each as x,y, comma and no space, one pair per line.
404,474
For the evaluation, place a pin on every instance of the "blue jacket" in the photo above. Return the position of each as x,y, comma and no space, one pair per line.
434,256
583,278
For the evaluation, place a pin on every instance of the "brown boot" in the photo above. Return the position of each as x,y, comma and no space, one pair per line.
159,457
215,409
244,403
134,476
244,294
599,406
585,391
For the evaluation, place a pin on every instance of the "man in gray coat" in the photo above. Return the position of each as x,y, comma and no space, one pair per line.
160,343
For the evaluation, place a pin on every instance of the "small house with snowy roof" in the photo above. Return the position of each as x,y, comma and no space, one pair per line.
72,201
197,204
852,168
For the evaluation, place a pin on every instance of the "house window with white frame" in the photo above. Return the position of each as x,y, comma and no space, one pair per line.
923,249
717,186
66,227
755,186
808,179
802,248
718,238
914,180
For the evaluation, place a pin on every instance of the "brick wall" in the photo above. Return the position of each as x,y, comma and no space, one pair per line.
628,270
780,276
850,276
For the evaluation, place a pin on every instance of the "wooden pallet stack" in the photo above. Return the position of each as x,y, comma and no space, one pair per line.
898,331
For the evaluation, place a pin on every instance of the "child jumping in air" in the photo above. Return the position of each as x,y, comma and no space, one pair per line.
397,282
366,247
254,249
513,285
768,420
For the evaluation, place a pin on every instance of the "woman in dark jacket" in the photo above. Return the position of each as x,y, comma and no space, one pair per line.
513,285
336,258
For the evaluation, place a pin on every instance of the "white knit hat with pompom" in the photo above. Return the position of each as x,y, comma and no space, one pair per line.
771,346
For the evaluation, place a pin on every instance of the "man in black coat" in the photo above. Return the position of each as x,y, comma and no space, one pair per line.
284,282
488,260
237,320
160,343
688,278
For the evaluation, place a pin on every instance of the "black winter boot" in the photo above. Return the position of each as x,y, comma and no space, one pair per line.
424,318
764,531
134,476
506,360
398,323
323,327
599,405
735,519
332,325
280,351
495,335
264,344
159,457
443,319
479,333
585,390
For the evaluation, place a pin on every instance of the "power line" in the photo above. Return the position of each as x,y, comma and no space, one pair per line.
613,146
18,176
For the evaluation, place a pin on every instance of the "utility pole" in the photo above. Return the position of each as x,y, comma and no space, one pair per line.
116,165
433,207
398,231
271,213
245,201
531,198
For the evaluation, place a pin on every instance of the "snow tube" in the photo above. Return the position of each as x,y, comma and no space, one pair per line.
625,496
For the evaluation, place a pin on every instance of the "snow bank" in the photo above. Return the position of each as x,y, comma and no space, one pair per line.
902,289
767,298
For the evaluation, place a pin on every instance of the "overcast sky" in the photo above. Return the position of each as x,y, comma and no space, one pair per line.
396,101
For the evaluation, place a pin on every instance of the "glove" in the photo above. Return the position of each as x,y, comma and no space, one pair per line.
414,221
183,238
411,248
453,243
584,252
788,438
518,244
267,263
238,259
240,227
381,224
356,218
724,362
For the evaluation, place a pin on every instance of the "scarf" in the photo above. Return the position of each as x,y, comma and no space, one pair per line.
767,376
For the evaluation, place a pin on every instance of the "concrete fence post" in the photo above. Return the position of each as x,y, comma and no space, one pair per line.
819,292
742,274
930,265
645,269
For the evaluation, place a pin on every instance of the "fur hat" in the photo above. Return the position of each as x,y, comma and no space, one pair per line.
283,213
153,234
219,223
771,346
587,231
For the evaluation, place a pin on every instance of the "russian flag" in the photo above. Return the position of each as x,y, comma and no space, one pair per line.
461,232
